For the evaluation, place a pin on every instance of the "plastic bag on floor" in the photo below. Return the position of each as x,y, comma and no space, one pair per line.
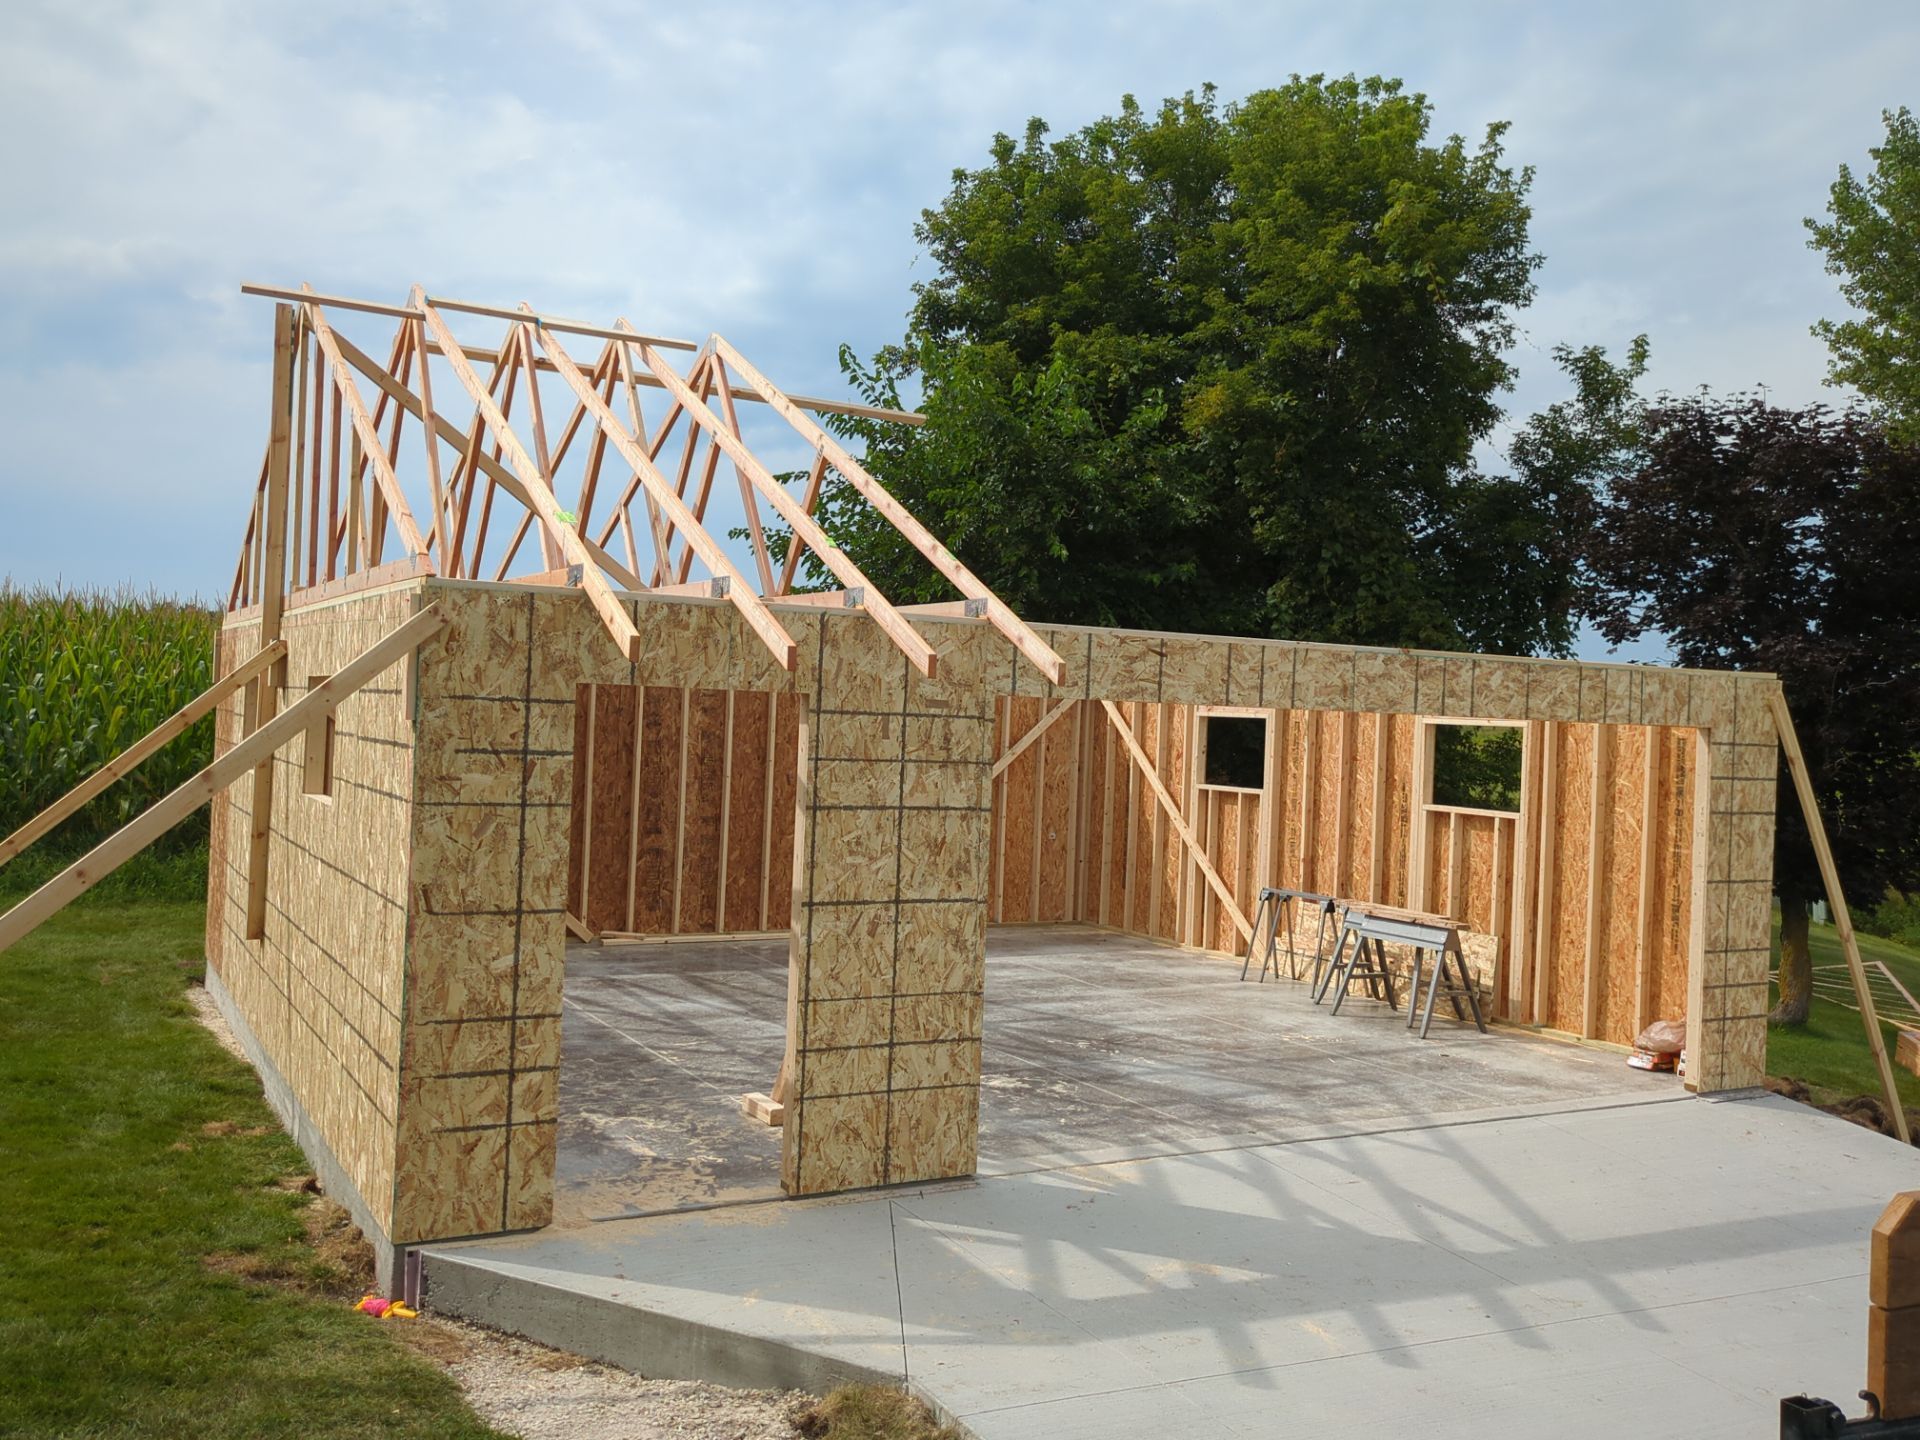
1663,1037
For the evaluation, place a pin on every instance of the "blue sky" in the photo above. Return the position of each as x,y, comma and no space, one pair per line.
757,170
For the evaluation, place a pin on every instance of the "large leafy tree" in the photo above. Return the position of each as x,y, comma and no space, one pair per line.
1761,538
1224,368
1871,239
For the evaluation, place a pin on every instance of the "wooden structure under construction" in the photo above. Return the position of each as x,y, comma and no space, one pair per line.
460,719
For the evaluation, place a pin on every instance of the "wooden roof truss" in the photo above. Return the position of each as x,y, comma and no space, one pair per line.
491,481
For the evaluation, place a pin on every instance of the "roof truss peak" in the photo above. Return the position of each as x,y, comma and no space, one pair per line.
488,478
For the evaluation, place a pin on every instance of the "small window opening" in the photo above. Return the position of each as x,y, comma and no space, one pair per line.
1477,766
316,770
1236,751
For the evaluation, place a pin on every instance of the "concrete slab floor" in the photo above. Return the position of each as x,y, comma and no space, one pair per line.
1097,1047
1671,1265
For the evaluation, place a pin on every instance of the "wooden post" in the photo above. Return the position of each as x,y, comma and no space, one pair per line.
273,600
1599,882
1645,907
1419,827
1546,927
1893,1309
1377,861
1837,902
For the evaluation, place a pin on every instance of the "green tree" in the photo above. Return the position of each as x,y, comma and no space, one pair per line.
1223,368
1872,242
1759,538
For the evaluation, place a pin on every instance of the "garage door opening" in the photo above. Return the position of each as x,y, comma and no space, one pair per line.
680,888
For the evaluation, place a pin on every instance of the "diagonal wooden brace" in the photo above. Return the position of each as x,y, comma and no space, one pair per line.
1178,821
153,822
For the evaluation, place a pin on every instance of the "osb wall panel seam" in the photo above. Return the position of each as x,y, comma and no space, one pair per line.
322,988
890,942
487,896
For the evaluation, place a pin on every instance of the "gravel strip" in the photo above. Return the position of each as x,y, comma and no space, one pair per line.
541,1394
211,1017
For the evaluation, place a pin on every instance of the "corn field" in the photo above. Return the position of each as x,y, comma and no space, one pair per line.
83,674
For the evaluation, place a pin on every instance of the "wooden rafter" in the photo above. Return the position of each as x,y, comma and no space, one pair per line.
363,426
912,644
757,615
542,501
1036,650
343,528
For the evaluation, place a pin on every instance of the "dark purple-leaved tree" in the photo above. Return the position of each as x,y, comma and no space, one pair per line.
1760,538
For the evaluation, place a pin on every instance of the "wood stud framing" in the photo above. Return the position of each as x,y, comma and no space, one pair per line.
1629,885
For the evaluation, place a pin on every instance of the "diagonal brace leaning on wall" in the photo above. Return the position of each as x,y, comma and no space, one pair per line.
256,749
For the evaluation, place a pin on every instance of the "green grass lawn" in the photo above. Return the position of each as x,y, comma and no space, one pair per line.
1830,1052
155,1275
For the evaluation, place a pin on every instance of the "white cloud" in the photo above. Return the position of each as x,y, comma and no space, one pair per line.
758,170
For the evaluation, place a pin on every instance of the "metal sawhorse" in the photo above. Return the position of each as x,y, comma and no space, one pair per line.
1274,903
1364,959
1441,942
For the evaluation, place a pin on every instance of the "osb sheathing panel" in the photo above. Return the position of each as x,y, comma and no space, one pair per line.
1056,826
657,833
748,809
1361,829
889,952
488,894
1399,807
1619,957
1572,822
1672,890
700,838
616,712
1143,823
1017,789
323,989
1178,875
